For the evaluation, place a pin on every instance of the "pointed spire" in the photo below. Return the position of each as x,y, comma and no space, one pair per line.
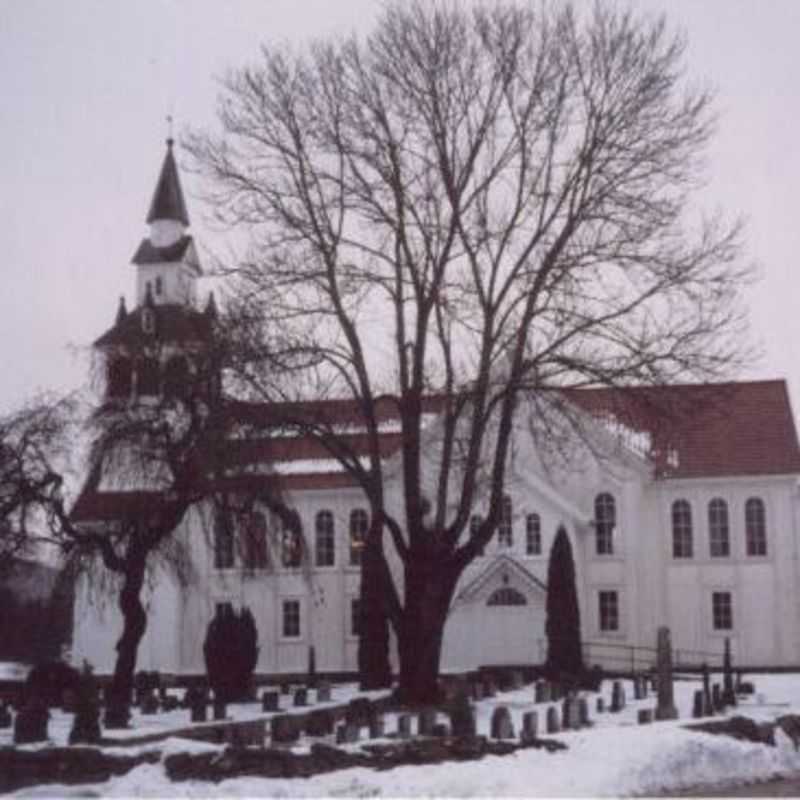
211,306
168,200
122,312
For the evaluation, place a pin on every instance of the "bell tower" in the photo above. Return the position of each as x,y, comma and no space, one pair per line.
166,260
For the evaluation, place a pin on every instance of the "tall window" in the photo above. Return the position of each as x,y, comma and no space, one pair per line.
223,540
325,541
721,611
755,522
359,526
290,627
533,535
505,530
355,617
605,519
608,610
681,529
718,529
291,548
254,544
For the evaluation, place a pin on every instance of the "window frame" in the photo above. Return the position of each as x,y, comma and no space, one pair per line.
605,523
682,528
723,608
356,539
609,610
505,527
324,539
289,538
283,635
248,537
755,528
533,535
719,528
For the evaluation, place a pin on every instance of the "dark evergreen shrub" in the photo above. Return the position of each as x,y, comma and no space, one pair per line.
563,626
231,653
47,682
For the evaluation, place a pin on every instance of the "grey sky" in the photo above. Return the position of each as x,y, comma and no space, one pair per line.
86,86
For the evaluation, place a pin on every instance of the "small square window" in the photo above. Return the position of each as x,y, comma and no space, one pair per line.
608,608
291,619
722,611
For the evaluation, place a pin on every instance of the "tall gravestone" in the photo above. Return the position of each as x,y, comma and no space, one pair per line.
728,690
666,700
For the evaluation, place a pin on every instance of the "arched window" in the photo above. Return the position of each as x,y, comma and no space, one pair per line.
718,529
223,539
291,548
755,522
359,526
325,542
605,520
533,535
506,596
505,530
176,377
254,540
119,377
147,377
682,529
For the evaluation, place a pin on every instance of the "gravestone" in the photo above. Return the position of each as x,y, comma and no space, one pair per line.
376,727
552,721
462,717
285,729
426,721
645,716
30,724
571,717
441,730
530,726
583,711
323,692
198,709
320,722
169,702
117,714
601,705
301,697
698,704
5,716
350,733
666,701
617,697
637,688
360,711
728,691
220,710
501,726
708,706
716,698
404,726
149,703
270,701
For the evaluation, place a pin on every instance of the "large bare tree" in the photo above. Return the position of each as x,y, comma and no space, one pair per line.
471,202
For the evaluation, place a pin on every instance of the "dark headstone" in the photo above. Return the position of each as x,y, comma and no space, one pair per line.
552,720
617,697
404,726
117,715
530,726
270,701
708,706
149,703
716,698
441,730
666,700
501,726
376,727
301,697
360,711
320,722
571,715
601,705
747,687
323,692
462,717
645,716
583,711
285,728
199,710
426,721
169,702
30,724
698,705
728,692
220,710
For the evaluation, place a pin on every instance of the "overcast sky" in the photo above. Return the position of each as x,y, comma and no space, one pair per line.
86,87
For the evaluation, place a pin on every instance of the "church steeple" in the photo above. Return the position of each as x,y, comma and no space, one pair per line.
168,202
167,262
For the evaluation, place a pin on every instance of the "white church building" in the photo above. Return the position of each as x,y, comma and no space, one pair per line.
689,521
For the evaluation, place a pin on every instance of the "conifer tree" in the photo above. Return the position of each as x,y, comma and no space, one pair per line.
563,625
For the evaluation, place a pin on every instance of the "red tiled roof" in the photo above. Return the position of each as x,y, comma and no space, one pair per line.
707,430
173,323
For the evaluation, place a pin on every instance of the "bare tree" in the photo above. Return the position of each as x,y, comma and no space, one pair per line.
467,206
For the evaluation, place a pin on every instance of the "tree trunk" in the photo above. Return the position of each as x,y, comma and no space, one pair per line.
134,624
374,669
429,588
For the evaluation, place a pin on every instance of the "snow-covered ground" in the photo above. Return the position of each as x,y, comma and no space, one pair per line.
616,756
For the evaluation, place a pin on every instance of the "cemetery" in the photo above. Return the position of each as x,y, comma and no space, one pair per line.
297,733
